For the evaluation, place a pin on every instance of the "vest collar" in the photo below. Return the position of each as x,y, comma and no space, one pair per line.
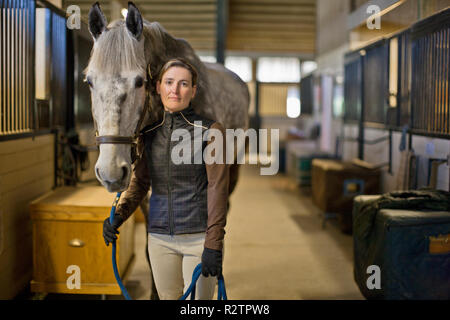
187,112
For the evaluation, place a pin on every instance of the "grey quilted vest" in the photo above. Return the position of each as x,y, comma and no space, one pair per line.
178,203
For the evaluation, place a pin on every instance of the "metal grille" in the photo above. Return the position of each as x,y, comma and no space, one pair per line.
307,95
352,88
404,79
16,65
430,70
376,85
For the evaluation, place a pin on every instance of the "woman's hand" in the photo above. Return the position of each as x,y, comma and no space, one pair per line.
110,230
211,262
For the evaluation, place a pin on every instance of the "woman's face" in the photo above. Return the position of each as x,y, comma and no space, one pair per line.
175,89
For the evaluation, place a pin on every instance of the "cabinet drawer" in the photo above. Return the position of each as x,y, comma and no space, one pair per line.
60,244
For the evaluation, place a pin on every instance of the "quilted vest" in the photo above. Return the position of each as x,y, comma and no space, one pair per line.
178,203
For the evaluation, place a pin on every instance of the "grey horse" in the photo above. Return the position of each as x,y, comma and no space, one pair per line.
125,53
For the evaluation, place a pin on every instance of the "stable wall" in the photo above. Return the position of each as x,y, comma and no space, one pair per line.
26,172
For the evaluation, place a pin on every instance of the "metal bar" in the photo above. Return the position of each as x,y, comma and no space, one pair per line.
430,107
419,89
8,72
31,59
426,82
415,98
2,90
440,77
390,152
19,65
433,83
444,80
25,60
447,79
22,76
401,76
15,67
361,114
414,50
422,84
441,81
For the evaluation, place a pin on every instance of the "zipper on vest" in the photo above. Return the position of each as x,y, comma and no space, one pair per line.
169,184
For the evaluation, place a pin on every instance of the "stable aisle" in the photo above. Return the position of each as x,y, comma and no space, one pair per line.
275,246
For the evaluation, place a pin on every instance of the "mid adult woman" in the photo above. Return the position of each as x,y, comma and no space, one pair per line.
188,203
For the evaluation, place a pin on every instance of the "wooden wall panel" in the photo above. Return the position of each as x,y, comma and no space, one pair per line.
285,26
192,20
273,26
26,172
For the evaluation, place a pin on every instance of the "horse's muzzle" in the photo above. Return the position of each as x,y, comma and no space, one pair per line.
115,183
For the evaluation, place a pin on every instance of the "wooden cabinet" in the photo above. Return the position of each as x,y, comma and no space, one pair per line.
67,235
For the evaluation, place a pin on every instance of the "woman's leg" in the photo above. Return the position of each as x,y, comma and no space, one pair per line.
191,245
166,264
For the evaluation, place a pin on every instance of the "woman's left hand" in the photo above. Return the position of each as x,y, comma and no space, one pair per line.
211,262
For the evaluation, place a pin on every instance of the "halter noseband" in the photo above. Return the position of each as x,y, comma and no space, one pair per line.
116,139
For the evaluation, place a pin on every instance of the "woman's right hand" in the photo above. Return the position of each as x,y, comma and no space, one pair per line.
110,230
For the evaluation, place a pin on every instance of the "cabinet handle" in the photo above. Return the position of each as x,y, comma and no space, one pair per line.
76,243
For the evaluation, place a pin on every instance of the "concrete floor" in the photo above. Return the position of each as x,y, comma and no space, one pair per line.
275,247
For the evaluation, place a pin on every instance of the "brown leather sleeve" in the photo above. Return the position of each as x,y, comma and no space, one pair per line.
138,188
218,184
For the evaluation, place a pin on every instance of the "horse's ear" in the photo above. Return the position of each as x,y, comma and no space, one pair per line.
134,21
97,21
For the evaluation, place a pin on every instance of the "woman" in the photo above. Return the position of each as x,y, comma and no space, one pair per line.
188,203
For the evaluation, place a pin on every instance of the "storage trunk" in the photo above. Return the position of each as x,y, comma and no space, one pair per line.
412,250
335,183
68,233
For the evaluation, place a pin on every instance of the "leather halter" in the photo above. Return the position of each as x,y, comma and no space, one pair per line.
116,139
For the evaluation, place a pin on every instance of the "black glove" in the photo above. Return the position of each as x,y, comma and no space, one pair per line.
110,230
211,262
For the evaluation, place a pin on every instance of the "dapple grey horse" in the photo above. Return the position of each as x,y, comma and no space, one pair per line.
124,55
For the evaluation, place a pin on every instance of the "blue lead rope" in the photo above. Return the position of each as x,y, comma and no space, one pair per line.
114,262
221,293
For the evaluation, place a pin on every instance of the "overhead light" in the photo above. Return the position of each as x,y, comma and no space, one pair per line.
124,13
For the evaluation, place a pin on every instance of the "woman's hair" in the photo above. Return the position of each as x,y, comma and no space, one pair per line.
179,62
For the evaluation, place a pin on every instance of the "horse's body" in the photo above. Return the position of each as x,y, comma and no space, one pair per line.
123,52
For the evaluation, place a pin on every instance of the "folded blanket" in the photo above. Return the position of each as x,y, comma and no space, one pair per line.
421,200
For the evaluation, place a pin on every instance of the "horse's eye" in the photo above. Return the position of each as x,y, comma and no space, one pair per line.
139,82
89,82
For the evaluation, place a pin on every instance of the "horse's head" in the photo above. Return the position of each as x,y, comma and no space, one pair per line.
116,74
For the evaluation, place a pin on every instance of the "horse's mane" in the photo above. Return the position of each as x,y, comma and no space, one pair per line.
117,50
